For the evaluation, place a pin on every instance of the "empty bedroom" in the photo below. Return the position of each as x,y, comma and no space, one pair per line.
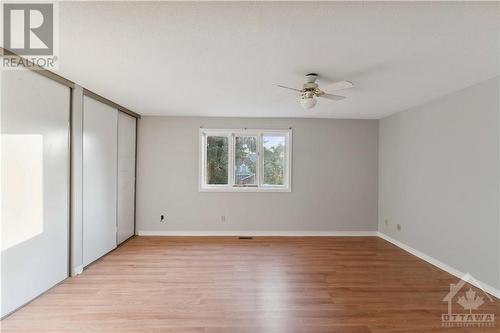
250,167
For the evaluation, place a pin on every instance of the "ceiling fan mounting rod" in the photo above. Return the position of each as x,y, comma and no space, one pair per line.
311,77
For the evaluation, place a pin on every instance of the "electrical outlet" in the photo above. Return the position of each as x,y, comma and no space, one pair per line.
386,221
223,218
398,226
162,218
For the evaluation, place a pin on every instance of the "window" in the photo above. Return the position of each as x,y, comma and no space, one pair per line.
245,160
217,160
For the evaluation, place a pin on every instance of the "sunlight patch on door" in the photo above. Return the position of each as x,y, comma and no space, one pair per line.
22,188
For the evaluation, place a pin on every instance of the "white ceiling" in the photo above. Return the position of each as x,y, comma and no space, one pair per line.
223,59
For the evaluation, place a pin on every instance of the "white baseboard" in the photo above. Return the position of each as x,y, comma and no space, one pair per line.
439,264
255,233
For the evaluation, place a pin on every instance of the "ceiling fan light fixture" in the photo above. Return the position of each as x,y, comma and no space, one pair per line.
307,102
310,90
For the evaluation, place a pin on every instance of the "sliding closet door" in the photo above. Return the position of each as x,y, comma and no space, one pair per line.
35,186
100,124
126,176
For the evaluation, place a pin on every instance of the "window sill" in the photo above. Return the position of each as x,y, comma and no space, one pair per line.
245,189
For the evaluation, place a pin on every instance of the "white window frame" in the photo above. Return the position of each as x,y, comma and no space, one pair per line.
231,134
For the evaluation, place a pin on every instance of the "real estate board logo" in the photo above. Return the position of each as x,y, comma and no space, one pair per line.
470,300
29,30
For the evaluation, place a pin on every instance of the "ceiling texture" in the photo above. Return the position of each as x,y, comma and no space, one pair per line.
224,58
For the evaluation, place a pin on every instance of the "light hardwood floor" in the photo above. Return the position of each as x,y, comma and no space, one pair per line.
268,284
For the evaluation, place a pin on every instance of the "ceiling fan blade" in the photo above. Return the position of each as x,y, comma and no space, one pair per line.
279,85
332,97
339,86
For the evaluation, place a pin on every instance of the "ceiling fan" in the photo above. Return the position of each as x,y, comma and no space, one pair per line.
311,90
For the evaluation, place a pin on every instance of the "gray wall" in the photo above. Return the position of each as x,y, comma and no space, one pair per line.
439,178
334,181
